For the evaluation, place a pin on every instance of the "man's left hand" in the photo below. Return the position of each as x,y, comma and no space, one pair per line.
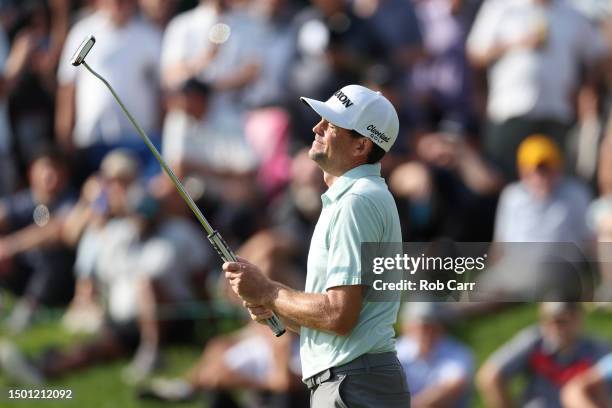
249,283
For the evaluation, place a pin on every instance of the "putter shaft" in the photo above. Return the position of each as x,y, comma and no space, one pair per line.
213,236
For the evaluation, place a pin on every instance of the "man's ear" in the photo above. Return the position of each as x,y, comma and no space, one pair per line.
363,147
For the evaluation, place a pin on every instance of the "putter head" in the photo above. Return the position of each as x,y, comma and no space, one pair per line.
83,50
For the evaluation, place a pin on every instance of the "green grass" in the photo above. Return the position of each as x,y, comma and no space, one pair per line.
102,386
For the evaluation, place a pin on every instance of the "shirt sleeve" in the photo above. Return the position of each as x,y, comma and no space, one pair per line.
483,34
172,49
501,215
356,221
591,42
604,366
513,357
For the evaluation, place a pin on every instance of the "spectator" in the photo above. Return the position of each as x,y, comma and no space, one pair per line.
591,389
229,66
14,62
438,369
549,354
227,362
44,26
334,47
276,49
542,207
192,146
395,23
158,12
442,79
445,191
534,51
144,270
527,208
127,55
104,197
34,262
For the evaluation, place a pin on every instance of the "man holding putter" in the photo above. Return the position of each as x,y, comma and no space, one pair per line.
347,345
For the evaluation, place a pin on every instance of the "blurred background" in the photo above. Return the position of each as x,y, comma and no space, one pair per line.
108,286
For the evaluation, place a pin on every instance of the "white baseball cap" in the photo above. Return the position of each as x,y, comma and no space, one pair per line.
358,108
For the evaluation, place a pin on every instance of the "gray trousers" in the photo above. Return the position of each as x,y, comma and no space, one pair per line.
370,381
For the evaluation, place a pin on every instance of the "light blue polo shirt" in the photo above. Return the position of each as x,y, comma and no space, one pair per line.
357,208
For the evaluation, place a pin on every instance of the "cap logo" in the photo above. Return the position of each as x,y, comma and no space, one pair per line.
343,98
377,134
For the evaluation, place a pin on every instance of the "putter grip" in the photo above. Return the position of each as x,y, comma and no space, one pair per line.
227,255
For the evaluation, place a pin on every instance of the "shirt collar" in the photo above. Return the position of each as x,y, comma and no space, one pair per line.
346,181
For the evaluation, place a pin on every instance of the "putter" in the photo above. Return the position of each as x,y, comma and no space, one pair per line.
217,241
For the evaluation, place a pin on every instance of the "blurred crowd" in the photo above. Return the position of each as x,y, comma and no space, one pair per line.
506,136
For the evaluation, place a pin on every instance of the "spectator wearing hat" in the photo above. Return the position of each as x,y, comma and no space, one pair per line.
542,207
549,354
592,388
104,197
438,368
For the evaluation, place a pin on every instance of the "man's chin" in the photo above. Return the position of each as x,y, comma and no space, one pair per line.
315,155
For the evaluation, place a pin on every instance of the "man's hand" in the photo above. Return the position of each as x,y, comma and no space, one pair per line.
249,283
258,313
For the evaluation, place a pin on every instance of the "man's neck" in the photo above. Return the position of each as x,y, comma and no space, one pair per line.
330,178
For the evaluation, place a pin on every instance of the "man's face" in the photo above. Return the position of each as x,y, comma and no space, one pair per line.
332,147
45,177
540,181
562,329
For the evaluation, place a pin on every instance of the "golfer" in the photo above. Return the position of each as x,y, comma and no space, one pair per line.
347,346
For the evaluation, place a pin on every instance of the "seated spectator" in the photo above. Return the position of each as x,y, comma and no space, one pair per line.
592,388
144,271
439,369
104,197
546,207
549,355
34,262
252,358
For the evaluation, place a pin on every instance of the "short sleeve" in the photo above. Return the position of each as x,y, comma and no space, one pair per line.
483,34
172,49
513,357
501,216
356,221
592,44
604,366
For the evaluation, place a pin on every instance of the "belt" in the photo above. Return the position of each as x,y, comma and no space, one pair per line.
364,362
